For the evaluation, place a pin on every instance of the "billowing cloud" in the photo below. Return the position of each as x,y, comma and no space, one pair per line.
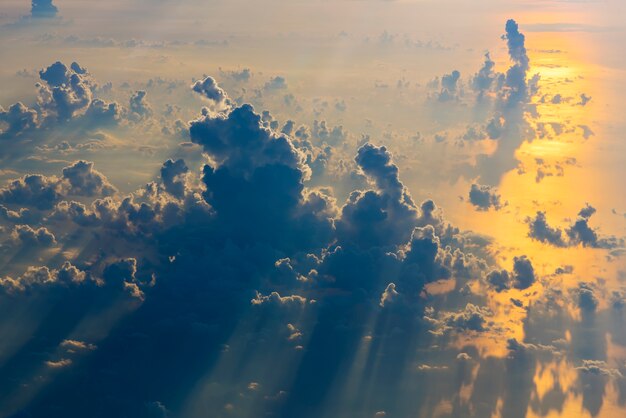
84,180
26,235
38,277
299,270
541,231
174,175
41,192
139,106
43,9
578,233
484,197
523,273
209,89
18,118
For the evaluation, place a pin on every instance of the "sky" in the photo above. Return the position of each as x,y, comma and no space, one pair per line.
349,208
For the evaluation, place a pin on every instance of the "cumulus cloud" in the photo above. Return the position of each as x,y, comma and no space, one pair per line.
241,76
516,75
100,112
484,197
276,298
276,83
252,244
499,279
587,300
389,295
73,346
541,231
174,175
32,190
513,95
584,99
17,119
66,93
26,235
523,273
449,86
578,233
41,192
84,180
139,106
59,364
471,318
41,277
43,9
225,137
64,96
331,135
485,77
210,90
377,217
56,74
598,367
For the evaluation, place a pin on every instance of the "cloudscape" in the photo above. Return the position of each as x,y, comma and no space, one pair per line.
312,209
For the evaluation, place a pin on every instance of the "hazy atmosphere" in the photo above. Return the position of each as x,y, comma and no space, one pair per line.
312,208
